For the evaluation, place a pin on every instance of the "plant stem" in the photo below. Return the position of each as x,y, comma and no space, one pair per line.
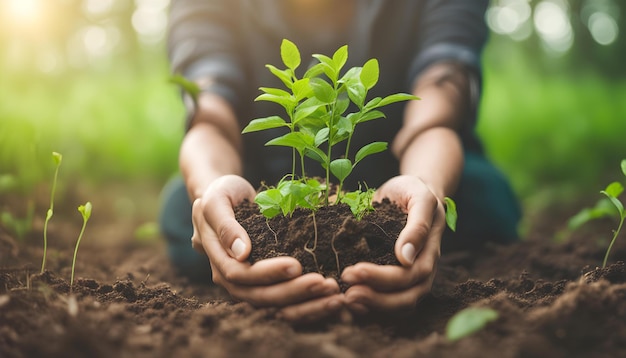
80,236
608,251
293,163
331,126
48,216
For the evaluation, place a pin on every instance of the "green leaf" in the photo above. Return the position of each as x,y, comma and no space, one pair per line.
603,208
85,210
289,103
297,140
276,92
340,57
451,214
370,73
323,90
373,103
398,97
290,54
352,75
614,189
342,104
357,93
469,321
301,89
359,201
321,136
341,168
269,202
618,204
188,86
624,166
303,112
317,154
344,129
369,149
314,70
328,67
260,124
371,115
286,76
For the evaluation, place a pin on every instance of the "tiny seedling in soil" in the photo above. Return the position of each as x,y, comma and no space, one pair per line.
85,211
469,321
605,208
316,108
57,158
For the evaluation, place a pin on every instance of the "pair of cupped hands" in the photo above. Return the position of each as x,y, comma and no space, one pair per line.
279,282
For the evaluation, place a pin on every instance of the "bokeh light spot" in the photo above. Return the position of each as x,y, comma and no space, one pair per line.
603,28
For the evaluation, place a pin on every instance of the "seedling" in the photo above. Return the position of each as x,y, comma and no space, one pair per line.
85,211
469,321
57,158
317,119
603,209
315,106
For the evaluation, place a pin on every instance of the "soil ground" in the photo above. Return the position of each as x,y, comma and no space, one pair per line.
128,301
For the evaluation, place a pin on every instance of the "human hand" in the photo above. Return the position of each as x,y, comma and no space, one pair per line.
276,282
389,287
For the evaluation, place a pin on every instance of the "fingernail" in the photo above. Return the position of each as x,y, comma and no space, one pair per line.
238,247
408,252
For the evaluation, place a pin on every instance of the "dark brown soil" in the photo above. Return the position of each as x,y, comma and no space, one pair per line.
327,241
128,301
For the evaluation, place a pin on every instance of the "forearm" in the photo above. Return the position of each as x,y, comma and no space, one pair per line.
211,146
436,157
428,145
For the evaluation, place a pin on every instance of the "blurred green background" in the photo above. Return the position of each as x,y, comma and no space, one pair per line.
89,79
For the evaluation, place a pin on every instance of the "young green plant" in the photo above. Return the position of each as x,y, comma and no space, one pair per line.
605,208
316,107
85,211
57,158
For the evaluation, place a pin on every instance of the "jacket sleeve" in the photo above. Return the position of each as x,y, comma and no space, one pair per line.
451,30
203,43
455,31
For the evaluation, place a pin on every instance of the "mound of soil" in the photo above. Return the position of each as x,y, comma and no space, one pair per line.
327,241
128,301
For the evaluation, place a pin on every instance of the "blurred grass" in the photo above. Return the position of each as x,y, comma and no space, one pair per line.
115,123
558,135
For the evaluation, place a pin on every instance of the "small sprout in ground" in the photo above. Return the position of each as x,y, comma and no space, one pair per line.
469,321
57,158
605,208
85,211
